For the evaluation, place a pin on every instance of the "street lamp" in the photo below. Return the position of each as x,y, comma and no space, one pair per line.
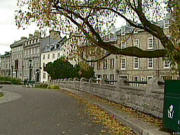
37,75
30,70
12,71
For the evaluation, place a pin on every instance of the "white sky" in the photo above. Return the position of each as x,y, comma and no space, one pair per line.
8,30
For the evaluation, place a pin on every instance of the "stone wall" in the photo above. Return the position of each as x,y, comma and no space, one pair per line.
148,99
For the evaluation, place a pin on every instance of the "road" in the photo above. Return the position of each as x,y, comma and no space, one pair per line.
44,112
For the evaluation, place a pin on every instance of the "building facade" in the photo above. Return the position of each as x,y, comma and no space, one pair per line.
55,48
17,59
50,51
32,57
142,69
133,68
5,65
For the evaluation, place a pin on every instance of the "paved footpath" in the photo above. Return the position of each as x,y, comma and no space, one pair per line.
30,111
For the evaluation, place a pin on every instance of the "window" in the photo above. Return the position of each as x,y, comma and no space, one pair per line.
150,43
136,79
166,23
98,76
123,77
105,64
37,49
58,54
105,77
44,57
44,65
98,65
136,63
123,63
44,75
150,63
166,77
31,51
111,63
136,43
123,45
48,56
149,77
112,78
53,55
167,64
92,64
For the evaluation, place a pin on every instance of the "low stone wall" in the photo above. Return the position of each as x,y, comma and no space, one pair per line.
148,99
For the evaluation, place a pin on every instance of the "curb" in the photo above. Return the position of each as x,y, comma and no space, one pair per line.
8,96
140,129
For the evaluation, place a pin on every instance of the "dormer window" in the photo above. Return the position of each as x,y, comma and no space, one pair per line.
166,23
135,30
167,64
123,44
150,43
136,43
123,31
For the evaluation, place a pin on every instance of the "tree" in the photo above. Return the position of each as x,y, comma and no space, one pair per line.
84,70
94,19
60,69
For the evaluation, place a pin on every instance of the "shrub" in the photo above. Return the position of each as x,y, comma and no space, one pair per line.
42,85
1,94
9,80
53,87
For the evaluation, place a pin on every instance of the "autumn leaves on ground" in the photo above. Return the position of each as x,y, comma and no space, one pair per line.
111,124
99,116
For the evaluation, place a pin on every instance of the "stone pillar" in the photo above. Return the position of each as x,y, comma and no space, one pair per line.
121,82
153,84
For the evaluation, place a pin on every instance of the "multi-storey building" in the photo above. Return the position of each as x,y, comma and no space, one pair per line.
141,69
54,48
32,57
106,68
6,69
17,58
70,48
50,52
133,68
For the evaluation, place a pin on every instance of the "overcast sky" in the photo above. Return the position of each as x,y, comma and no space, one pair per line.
8,30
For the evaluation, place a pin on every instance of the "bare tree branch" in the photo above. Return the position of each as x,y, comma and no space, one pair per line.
95,60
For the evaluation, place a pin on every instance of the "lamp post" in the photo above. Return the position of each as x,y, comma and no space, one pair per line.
12,71
37,75
30,70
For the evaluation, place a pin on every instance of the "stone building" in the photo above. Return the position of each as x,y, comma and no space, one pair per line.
70,46
132,68
17,58
32,57
54,48
5,65
50,51
142,69
107,68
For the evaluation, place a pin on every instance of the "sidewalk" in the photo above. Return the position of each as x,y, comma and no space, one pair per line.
128,119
